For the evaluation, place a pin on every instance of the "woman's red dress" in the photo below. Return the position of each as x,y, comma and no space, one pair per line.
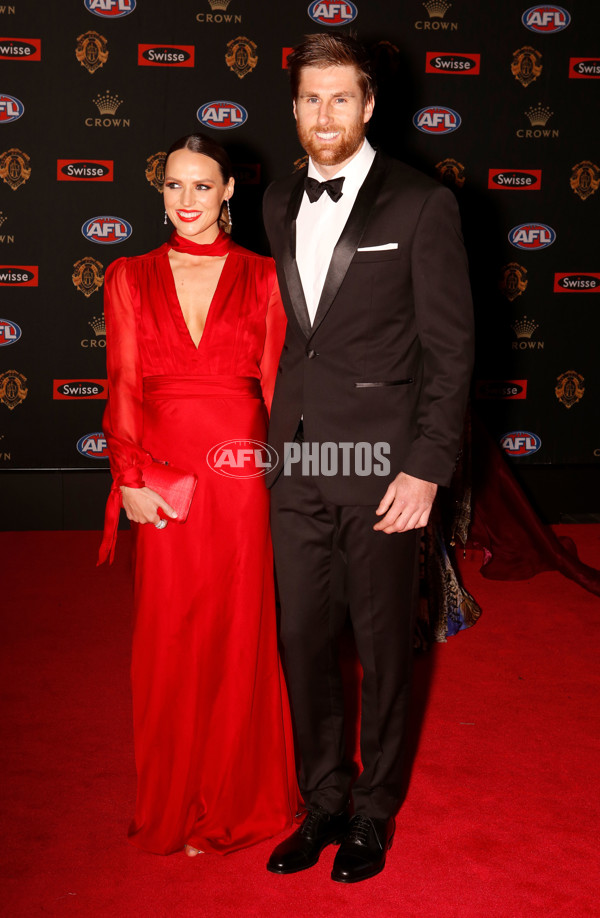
213,741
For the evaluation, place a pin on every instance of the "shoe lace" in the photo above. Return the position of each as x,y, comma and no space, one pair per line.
359,830
311,822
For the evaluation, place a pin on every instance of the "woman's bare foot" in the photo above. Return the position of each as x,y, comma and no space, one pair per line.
192,852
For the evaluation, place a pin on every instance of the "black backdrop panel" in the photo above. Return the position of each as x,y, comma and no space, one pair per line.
497,100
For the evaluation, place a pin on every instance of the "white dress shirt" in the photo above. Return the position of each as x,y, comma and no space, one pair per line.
319,225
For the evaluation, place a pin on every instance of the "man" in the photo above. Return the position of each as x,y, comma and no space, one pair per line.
376,363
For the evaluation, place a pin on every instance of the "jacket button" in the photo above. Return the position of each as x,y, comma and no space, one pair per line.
311,353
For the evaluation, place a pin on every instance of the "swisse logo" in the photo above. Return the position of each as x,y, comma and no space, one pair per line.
584,68
222,115
19,275
106,230
9,332
93,445
521,179
436,119
80,388
531,236
546,18
110,9
332,14
520,443
10,108
436,62
577,283
20,49
501,388
166,55
242,458
85,170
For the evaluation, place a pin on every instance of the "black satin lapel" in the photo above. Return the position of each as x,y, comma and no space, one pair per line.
352,233
290,267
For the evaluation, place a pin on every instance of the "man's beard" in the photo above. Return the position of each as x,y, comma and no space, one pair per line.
331,154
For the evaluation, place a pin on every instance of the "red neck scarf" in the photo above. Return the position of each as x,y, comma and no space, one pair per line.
220,246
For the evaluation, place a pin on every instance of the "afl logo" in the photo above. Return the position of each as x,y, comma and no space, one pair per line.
332,14
531,236
9,332
93,445
546,18
106,230
520,443
437,120
10,108
242,458
221,115
110,9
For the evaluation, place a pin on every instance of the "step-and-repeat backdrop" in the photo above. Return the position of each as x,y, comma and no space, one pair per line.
500,101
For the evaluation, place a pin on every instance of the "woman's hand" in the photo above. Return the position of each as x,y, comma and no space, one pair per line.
142,504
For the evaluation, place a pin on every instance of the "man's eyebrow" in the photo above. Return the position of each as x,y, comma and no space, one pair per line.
343,92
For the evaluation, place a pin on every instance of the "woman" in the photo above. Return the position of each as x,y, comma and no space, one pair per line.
194,331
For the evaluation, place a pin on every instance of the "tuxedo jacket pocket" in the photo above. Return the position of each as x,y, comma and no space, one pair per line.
383,383
370,253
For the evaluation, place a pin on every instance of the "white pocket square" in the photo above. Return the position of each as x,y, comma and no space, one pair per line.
378,248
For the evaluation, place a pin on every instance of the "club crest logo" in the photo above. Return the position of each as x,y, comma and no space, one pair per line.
13,389
11,108
155,170
513,282
91,51
531,237
526,65
569,388
332,14
585,179
451,172
436,119
222,115
15,168
241,56
88,275
9,332
110,9
106,230
546,18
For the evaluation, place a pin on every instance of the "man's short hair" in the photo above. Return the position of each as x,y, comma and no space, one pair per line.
323,50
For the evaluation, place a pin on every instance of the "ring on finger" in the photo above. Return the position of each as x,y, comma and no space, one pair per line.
162,524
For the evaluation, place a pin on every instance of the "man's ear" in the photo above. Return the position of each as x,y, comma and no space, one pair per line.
294,109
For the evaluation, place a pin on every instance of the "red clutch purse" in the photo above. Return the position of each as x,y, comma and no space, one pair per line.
174,485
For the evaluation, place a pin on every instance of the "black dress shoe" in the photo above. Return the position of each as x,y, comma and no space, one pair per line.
303,848
363,850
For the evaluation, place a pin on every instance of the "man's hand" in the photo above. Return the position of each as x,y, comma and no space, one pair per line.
406,504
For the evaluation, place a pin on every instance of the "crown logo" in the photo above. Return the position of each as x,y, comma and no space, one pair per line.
437,9
219,4
539,115
106,103
524,328
98,324
3,219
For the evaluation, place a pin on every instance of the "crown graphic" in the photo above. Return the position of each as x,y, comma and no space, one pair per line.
539,114
98,325
3,219
437,9
107,104
524,328
219,4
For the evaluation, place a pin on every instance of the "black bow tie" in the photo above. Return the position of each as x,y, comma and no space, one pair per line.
315,189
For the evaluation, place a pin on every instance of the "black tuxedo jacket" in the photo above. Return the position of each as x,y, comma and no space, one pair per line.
389,355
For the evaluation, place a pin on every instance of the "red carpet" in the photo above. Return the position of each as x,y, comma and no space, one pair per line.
502,814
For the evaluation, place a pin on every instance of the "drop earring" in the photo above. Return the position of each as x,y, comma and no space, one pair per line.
229,214
166,218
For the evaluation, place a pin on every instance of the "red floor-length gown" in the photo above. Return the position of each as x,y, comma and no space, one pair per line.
212,732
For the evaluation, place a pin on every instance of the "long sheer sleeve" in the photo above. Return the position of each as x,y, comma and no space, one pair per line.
122,422
274,338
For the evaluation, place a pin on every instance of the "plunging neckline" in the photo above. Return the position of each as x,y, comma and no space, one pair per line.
179,311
